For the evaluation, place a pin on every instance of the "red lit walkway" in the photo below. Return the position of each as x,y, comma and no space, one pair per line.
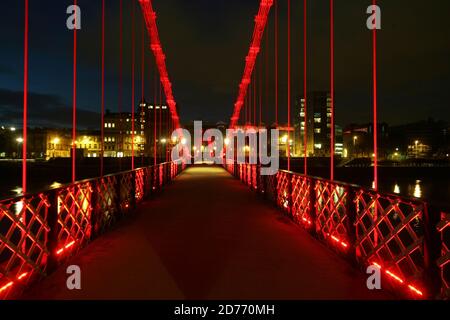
207,237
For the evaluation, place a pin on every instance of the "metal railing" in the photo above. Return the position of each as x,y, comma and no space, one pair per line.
40,231
402,236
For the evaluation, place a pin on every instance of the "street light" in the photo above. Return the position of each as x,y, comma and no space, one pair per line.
19,140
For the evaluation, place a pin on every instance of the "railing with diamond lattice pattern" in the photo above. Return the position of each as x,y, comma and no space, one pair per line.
402,236
39,232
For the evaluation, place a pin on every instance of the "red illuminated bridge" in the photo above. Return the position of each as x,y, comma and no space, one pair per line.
176,231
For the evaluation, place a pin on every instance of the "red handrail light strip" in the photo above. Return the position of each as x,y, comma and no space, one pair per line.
415,290
337,240
260,25
67,246
150,21
399,280
11,283
393,276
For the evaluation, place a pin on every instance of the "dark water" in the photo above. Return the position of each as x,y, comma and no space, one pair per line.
428,183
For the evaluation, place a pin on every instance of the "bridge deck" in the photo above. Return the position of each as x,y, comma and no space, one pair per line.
208,237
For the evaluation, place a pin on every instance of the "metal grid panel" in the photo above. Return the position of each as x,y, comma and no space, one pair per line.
139,182
301,200
331,212
106,190
443,263
283,182
74,217
23,242
126,186
389,231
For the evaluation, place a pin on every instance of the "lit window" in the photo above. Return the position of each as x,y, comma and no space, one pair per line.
318,120
318,130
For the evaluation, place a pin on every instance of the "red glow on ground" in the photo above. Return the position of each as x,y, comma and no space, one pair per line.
393,276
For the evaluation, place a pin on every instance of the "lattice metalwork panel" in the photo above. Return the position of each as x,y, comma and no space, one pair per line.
155,183
139,182
106,189
74,217
389,231
283,188
301,200
23,242
444,261
331,213
161,175
126,187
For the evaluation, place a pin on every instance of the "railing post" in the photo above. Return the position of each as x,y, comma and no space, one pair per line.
351,223
432,249
95,208
133,191
119,195
312,204
145,183
52,237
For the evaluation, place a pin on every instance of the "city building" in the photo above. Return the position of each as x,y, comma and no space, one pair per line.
317,116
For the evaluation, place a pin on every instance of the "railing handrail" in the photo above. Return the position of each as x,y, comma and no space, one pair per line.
72,184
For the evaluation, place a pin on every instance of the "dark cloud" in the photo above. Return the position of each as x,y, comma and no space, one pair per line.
44,110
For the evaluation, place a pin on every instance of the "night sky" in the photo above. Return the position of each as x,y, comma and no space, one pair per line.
206,41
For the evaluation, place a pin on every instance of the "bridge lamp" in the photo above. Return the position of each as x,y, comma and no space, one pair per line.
19,140
163,141
174,140
183,141
227,141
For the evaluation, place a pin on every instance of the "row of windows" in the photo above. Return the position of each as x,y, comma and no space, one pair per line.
110,125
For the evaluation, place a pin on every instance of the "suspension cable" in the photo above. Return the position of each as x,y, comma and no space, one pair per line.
25,100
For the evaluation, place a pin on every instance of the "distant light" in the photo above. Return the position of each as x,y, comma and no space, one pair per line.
174,140
163,141
56,141
183,141
227,142
19,140
12,129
